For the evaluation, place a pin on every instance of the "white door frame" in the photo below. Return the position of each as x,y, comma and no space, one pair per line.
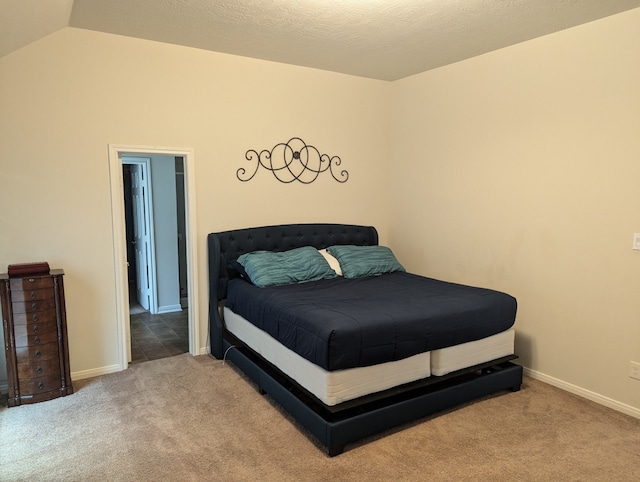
116,152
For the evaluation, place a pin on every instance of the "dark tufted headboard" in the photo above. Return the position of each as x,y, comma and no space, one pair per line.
226,246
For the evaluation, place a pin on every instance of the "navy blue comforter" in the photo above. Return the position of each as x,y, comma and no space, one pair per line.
344,323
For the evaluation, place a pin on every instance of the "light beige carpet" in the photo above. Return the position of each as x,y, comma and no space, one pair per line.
193,419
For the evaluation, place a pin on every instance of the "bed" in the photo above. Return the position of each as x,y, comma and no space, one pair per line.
336,331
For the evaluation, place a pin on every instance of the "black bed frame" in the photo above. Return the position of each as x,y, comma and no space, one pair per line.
336,426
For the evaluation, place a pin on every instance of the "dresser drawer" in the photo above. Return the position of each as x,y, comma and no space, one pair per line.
35,329
39,369
35,317
36,340
39,385
33,306
32,283
31,295
29,354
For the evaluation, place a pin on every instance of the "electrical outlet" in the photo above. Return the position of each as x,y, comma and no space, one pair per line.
634,370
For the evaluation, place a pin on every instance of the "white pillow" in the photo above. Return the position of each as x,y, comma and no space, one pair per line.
333,262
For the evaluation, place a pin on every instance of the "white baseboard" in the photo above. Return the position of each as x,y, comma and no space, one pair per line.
589,395
169,308
94,372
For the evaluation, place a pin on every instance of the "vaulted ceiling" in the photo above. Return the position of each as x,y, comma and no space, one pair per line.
380,39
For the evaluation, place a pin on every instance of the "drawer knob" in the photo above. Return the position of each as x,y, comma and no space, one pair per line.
40,385
39,370
33,295
34,317
34,305
36,340
38,354
31,280
36,329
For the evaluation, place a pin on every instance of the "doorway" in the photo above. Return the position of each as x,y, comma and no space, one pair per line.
172,292
156,256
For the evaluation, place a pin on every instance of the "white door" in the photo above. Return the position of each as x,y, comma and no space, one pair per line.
142,233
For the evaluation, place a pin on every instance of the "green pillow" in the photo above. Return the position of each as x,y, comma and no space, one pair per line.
270,268
359,261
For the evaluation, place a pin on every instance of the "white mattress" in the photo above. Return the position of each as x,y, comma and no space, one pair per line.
330,387
456,357
334,387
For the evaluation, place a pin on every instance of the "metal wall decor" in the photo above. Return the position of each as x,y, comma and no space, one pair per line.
293,161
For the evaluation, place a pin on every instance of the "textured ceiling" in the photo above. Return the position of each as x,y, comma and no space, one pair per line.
381,39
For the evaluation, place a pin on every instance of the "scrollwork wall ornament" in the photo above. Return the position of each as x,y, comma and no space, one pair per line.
293,161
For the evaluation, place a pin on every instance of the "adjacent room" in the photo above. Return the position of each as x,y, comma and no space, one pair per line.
490,143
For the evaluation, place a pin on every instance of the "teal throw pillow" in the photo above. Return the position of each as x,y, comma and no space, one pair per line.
360,261
299,265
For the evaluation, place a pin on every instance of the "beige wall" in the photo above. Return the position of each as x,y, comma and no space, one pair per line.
517,170
520,170
64,98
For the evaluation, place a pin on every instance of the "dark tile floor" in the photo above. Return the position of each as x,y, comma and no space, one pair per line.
158,336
